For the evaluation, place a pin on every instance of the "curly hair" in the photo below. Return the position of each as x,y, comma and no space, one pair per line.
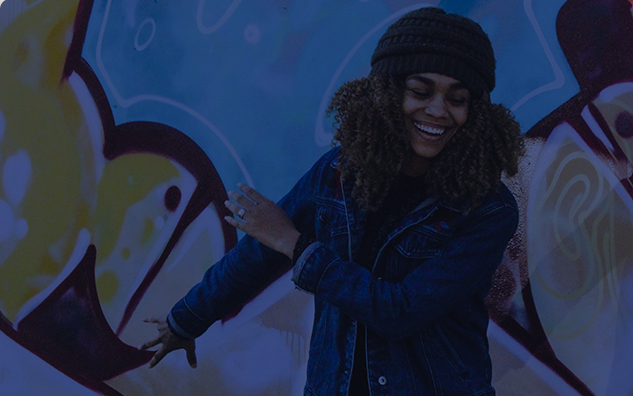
370,128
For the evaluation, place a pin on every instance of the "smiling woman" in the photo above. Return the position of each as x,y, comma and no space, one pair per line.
435,107
397,231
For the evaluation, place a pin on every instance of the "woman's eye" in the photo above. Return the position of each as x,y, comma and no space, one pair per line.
420,93
459,101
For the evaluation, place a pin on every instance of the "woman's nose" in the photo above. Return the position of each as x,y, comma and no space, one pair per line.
436,106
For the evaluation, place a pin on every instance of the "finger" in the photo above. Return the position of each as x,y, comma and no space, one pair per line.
233,207
192,359
241,199
150,344
253,194
153,319
234,222
158,356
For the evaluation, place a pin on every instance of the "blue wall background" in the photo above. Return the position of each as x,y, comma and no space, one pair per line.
260,73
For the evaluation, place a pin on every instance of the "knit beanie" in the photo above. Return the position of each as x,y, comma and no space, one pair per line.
429,40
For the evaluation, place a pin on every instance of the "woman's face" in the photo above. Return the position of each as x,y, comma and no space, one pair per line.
435,107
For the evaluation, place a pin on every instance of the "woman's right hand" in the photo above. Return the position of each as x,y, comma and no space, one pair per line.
169,342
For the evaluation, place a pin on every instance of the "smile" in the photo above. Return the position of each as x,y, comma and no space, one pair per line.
429,129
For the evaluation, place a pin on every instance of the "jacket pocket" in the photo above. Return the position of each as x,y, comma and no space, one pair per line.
421,242
331,225
446,370
412,247
451,356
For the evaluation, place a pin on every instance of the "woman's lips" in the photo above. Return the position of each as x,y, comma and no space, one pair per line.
430,129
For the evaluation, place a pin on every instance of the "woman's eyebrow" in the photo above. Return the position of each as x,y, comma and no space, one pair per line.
421,79
454,87
457,86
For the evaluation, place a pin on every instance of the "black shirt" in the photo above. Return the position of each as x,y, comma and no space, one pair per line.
404,196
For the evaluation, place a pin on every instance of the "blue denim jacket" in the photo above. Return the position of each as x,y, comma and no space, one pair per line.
422,303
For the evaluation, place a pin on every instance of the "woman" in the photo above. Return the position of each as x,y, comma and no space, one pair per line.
397,231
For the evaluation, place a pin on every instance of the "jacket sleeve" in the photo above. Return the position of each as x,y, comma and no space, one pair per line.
247,269
431,290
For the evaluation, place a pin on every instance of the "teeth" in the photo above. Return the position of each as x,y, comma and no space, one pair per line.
431,130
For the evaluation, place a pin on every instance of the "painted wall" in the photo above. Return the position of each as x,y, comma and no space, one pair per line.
122,125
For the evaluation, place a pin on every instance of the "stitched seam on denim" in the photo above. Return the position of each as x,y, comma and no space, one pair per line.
184,300
349,231
310,377
410,371
394,234
323,274
301,263
493,208
333,230
453,357
328,202
485,214
428,364
484,392
303,258
178,330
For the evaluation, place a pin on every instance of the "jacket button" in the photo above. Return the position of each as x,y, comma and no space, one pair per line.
382,380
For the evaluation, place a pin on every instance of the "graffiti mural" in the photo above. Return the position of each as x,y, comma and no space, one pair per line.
574,259
98,218
122,125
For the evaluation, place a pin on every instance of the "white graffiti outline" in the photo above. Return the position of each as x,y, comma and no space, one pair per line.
83,241
91,114
559,80
2,124
161,241
127,102
227,14
544,373
210,222
12,10
321,137
141,47
595,128
613,91
557,139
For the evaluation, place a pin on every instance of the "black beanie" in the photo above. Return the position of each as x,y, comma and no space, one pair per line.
429,40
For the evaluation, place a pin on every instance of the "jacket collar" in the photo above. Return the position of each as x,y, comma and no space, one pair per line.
431,202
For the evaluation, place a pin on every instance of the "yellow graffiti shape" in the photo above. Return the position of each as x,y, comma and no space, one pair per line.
38,153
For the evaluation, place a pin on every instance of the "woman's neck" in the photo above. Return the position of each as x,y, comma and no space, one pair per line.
415,166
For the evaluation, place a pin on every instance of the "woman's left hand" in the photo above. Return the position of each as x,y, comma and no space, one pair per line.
262,219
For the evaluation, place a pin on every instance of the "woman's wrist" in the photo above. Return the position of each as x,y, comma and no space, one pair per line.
302,244
288,245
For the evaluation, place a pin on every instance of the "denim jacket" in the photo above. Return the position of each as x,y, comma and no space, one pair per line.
422,303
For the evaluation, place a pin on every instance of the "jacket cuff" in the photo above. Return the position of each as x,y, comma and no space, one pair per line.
311,266
302,244
184,323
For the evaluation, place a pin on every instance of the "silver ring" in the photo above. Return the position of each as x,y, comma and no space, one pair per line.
241,213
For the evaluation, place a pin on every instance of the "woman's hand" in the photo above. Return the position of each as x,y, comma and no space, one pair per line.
170,342
262,219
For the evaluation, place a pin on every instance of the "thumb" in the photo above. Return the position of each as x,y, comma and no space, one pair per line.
192,359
